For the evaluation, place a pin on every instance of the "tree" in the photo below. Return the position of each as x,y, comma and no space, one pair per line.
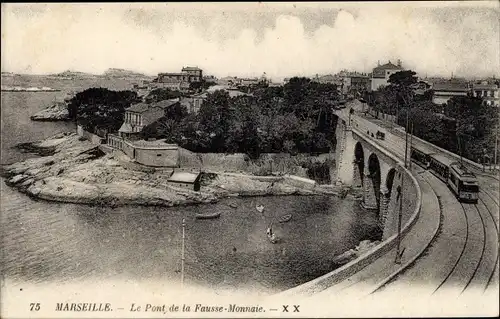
168,126
200,86
400,85
161,94
100,108
474,122
215,118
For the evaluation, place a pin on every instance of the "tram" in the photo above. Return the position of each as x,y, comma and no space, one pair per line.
463,183
421,157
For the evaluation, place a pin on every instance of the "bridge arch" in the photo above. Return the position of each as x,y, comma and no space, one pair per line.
372,183
359,165
389,182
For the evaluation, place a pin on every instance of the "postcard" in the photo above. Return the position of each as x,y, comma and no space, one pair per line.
250,160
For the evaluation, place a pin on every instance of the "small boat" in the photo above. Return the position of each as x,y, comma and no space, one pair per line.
259,208
208,216
270,235
233,205
272,238
285,218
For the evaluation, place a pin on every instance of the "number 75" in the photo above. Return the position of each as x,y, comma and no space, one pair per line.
34,306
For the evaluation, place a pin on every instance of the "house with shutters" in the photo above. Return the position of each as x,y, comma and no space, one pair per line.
140,115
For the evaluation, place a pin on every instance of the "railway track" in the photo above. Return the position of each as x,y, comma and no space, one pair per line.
461,255
464,258
494,221
478,259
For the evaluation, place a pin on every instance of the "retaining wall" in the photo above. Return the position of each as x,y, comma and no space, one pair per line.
94,139
238,162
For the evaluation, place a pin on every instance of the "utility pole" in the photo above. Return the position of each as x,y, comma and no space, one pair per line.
411,140
496,143
182,252
406,137
460,148
400,214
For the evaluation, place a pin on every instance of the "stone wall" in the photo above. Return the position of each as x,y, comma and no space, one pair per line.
410,199
157,157
267,163
94,139
160,156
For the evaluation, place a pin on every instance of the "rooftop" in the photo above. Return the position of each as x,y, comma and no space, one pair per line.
154,144
442,159
165,103
388,66
183,177
138,108
172,73
143,107
451,86
126,128
462,170
191,68
212,89
485,87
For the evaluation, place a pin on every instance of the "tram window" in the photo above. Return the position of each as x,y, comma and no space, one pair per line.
453,178
469,188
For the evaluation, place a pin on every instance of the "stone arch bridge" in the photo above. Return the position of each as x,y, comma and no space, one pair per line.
362,163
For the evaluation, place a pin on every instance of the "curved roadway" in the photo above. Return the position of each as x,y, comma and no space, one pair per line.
461,261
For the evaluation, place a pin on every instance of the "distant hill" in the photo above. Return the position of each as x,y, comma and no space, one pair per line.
73,74
122,73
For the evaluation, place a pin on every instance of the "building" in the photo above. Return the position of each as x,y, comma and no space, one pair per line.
328,79
381,74
172,76
153,153
488,92
249,81
178,80
446,90
194,102
195,73
229,81
421,87
139,115
359,82
185,180
210,79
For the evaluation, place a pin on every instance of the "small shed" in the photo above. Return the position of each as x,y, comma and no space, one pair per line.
185,180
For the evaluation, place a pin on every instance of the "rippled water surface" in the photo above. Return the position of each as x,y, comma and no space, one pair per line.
47,242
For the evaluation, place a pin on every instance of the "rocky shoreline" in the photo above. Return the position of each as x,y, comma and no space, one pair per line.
56,112
73,170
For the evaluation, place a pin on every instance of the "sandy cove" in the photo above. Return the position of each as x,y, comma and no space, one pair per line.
77,171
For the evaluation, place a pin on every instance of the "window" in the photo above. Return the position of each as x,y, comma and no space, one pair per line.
470,188
158,155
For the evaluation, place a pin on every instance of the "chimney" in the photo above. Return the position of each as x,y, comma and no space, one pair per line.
378,63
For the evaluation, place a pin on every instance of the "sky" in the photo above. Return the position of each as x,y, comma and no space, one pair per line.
248,39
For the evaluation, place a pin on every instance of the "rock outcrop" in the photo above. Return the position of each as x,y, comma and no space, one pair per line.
55,112
77,171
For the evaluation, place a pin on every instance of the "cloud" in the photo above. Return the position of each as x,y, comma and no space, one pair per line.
158,38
